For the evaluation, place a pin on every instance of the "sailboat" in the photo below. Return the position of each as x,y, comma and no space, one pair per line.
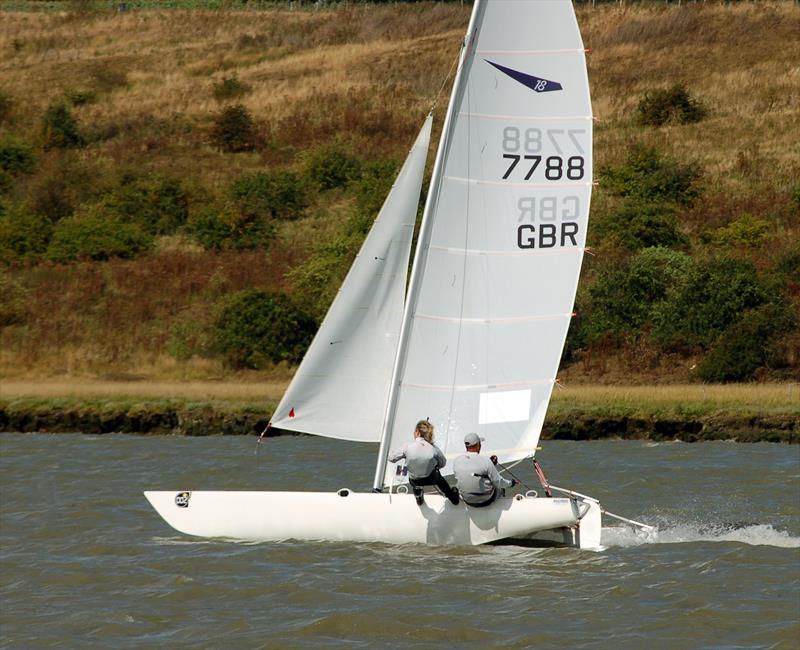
473,342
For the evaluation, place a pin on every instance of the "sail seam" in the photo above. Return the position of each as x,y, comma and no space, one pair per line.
492,253
571,50
472,387
528,118
474,181
507,319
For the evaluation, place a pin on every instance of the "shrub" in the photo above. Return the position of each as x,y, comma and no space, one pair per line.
373,186
215,230
747,345
331,166
744,232
16,157
92,233
796,198
23,235
788,266
57,190
80,97
620,299
158,204
661,106
640,224
255,328
60,129
715,294
233,130
278,194
648,176
229,88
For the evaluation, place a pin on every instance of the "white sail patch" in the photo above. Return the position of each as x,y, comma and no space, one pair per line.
505,406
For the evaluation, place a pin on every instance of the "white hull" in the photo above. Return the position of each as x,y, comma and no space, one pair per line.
370,517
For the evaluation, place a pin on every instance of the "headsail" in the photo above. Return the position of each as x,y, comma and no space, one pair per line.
341,386
499,263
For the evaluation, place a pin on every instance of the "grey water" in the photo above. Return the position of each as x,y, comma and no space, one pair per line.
86,563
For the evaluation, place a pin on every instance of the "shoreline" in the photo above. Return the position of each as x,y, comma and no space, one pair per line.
689,413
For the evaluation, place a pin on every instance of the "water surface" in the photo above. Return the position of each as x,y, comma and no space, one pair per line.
85,562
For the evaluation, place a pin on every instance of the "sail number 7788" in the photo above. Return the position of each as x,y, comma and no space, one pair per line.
528,144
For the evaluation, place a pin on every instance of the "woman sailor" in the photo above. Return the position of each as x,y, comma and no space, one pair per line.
424,459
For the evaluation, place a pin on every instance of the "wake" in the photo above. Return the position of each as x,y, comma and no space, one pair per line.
752,534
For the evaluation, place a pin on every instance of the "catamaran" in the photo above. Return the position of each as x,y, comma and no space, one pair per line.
474,342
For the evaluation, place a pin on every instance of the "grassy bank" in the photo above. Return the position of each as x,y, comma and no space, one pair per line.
746,413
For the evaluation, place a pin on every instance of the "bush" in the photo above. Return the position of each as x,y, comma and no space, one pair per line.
659,107
57,190
80,97
278,194
60,129
716,293
256,328
620,299
158,204
16,157
638,224
747,345
331,166
788,266
23,235
215,230
744,232
92,233
229,88
372,188
233,130
648,176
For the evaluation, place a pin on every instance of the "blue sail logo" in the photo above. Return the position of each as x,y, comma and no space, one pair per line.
537,84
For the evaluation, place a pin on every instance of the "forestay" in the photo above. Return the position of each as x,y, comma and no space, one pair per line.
340,388
499,260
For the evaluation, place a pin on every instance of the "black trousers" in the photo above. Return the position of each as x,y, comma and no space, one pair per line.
437,480
483,504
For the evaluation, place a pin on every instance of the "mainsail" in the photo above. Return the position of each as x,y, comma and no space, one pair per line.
340,388
502,239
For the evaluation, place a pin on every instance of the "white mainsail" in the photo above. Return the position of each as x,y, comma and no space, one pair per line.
341,387
503,236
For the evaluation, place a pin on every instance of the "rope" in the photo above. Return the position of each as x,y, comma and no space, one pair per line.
449,72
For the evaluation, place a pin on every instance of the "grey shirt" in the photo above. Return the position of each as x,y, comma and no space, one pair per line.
477,489
421,457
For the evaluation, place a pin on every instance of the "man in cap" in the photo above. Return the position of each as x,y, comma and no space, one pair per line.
479,482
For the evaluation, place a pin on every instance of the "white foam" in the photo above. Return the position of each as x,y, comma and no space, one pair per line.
754,535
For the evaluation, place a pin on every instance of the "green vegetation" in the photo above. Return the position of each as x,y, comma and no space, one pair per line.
256,328
671,105
234,130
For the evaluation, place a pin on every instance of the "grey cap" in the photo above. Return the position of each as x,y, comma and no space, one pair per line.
472,439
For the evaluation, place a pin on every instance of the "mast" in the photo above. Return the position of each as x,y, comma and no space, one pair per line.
424,238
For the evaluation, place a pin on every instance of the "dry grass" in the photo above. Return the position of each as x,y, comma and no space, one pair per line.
729,397
757,398
189,390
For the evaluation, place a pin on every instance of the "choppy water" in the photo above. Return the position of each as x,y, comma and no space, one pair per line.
85,562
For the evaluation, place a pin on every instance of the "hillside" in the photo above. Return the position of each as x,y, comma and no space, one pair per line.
153,164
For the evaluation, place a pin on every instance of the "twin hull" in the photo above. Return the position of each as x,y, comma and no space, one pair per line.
368,517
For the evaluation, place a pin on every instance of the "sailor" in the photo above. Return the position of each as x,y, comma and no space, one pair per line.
478,480
424,459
